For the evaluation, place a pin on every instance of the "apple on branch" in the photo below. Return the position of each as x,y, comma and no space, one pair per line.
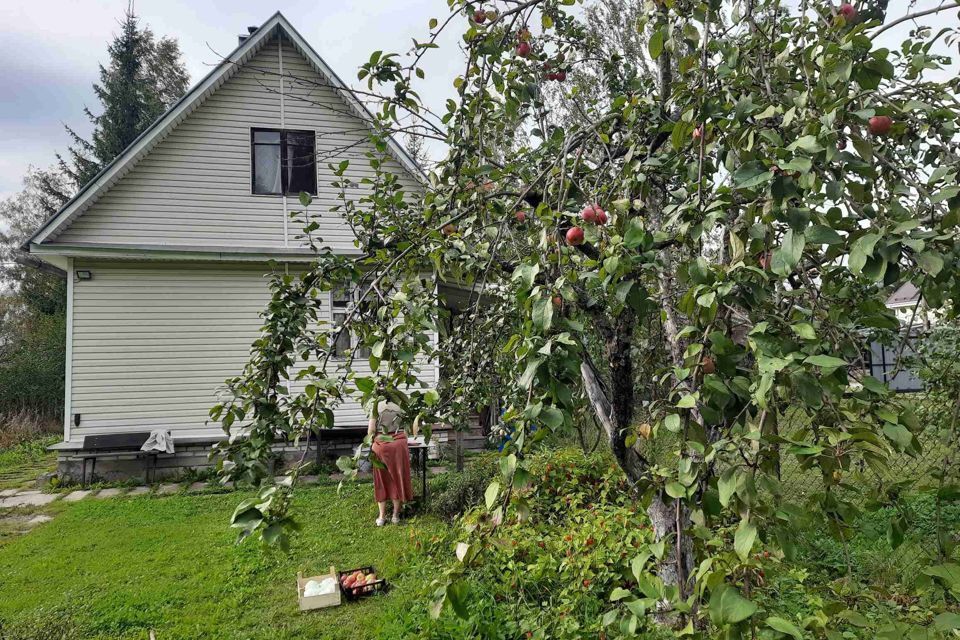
575,236
880,125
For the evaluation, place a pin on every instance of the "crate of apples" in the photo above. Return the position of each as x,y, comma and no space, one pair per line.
361,582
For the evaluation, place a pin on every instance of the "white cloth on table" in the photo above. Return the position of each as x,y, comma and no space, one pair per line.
159,440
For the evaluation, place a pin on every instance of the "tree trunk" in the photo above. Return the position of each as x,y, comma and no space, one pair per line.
670,520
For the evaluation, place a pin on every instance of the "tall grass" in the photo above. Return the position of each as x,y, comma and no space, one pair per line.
18,427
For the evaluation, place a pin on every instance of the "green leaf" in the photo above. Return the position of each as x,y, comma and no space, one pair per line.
744,538
552,417
491,494
635,234
543,313
898,434
809,144
805,330
458,597
861,249
947,622
672,423
783,626
619,594
751,174
930,262
688,401
727,606
655,45
948,573
675,490
788,254
821,234
826,362
727,485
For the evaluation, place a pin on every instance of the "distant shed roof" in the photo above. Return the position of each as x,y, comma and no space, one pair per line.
906,295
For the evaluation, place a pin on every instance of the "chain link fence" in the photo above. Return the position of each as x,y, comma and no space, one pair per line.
900,526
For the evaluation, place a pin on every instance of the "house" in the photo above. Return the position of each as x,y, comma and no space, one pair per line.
166,251
891,362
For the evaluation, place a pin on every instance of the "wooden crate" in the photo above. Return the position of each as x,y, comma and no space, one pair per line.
374,588
308,603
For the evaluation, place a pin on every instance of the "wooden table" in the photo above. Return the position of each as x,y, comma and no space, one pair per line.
418,454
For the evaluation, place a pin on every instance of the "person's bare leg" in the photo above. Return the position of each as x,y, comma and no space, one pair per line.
396,510
382,506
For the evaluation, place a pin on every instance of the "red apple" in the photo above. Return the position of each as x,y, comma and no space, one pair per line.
448,230
557,301
520,217
574,236
591,214
848,11
560,76
601,217
523,49
764,260
697,133
479,16
880,125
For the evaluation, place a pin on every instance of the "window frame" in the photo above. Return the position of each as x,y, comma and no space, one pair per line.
284,177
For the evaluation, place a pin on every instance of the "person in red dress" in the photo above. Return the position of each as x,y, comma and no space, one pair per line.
391,478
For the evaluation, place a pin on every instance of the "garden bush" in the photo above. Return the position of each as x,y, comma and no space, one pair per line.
453,493
567,570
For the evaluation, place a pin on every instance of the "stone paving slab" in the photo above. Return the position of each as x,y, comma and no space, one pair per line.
138,491
39,519
168,488
8,492
109,493
309,479
28,499
76,496
198,486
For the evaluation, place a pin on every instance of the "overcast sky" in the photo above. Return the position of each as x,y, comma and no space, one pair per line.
50,50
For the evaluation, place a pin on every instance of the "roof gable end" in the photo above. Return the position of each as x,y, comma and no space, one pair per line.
195,97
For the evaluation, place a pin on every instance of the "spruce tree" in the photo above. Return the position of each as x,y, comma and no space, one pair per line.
144,76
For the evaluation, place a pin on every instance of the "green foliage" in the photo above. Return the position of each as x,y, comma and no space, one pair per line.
31,372
144,77
573,568
453,493
755,222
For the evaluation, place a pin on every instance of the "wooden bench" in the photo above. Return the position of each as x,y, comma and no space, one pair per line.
327,438
109,445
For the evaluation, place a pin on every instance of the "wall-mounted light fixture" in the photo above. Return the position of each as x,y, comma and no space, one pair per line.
76,419
84,275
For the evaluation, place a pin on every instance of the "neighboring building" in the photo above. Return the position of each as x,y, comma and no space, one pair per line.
166,250
914,321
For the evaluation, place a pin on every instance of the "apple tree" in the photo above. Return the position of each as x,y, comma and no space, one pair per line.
746,200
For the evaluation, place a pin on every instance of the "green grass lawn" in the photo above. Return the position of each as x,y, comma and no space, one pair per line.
117,568
22,463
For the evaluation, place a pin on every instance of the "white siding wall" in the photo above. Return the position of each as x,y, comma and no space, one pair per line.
193,188
152,342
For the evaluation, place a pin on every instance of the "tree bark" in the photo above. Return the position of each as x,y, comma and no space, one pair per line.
669,520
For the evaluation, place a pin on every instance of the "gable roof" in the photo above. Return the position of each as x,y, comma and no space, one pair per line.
157,131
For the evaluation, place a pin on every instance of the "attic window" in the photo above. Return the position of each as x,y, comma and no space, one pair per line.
283,162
